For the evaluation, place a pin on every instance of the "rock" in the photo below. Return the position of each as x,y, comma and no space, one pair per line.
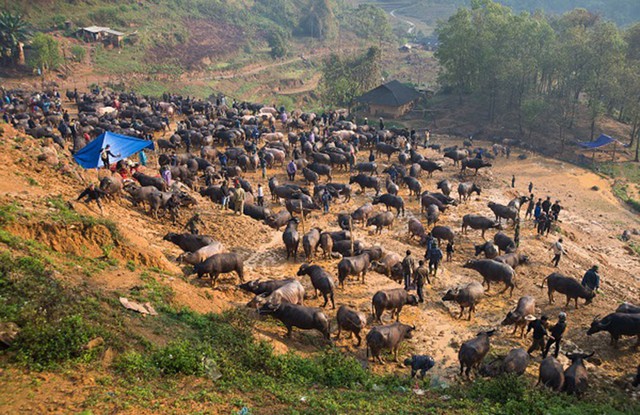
8,333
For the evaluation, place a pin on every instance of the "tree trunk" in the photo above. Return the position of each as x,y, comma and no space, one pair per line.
20,60
637,149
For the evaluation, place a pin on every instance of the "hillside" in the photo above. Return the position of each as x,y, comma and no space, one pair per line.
87,261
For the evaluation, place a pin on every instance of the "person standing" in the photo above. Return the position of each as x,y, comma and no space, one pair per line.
381,124
238,201
224,190
537,211
539,333
558,251
105,154
546,205
591,279
407,269
419,276
555,335
372,156
165,173
260,195
450,251
516,235
513,181
326,200
263,166
555,210
291,170
429,244
435,256
541,223
142,158
530,206
530,187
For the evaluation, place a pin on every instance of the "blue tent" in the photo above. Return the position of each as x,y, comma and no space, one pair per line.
601,141
89,156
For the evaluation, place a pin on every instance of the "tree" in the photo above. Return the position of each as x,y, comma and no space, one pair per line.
371,22
344,78
13,33
279,44
320,22
46,53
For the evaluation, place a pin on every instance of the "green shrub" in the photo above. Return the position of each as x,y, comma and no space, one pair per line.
43,344
180,357
134,364
78,53
499,390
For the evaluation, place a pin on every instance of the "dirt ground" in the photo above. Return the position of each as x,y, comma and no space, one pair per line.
591,223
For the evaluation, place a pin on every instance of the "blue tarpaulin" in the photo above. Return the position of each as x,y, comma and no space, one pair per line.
601,141
121,145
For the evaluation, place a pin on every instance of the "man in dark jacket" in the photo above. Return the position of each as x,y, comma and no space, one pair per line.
419,276
546,205
539,327
407,269
591,279
435,256
555,210
555,335
104,155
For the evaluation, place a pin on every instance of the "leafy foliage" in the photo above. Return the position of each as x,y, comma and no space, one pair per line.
533,67
46,52
344,78
13,32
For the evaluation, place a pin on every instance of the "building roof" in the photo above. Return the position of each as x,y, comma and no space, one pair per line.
392,94
100,29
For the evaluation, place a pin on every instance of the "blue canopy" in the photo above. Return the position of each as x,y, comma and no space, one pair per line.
121,145
601,141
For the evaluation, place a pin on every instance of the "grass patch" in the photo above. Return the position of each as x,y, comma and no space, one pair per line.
620,189
65,213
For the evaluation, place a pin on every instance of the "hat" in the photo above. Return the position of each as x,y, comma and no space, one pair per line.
530,317
595,267
562,316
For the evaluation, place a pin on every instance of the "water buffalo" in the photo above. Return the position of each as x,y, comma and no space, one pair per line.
414,186
310,242
321,169
387,337
278,220
456,155
419,363
415,228
201,254
256,212
430,166
386,264
188,242
112,186
576,378
386,149
146,180
551,373
478,222
444,186
628,308
415,170
292,292
569,287
220,264
513,259
465,190
526,306
381,220
326,242
394,300
504,243
344,248
293,315
502,211
488,249
515,362
493,271
617,324
351,321
362,213
427,199
433,213
390,201
321,280
291,238
264,287
443,233
365,182
475,164
466,296
370,168
518,202
473,351
355,265
310,176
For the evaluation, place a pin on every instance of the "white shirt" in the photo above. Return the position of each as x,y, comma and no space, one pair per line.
557,248
260,192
